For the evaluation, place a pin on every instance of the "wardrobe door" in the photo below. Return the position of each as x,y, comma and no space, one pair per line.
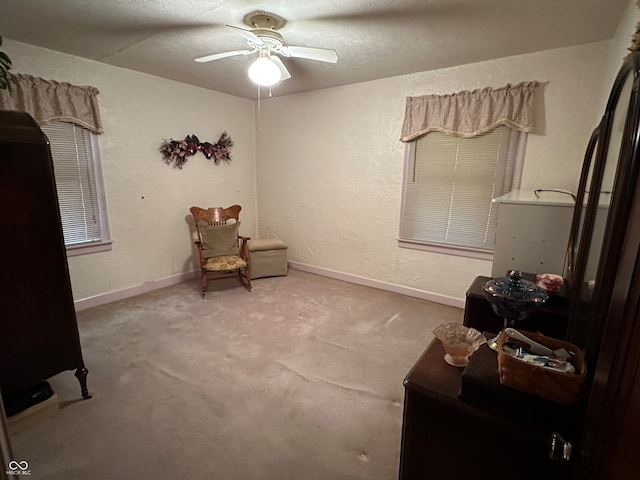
37,315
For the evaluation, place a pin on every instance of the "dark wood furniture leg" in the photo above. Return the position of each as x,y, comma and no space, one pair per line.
81,375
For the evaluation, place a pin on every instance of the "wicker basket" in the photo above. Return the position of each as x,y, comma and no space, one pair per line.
563,388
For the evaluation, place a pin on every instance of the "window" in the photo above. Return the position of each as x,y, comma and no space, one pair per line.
78,175
449,185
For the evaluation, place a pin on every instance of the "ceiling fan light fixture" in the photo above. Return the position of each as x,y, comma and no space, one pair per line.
264,72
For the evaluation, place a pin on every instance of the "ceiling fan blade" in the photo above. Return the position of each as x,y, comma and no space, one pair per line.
283,69
218,56
248,34
319,54
400,12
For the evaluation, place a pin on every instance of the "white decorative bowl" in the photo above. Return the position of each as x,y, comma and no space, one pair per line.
459,342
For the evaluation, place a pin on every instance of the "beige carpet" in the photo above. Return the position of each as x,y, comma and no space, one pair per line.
299,379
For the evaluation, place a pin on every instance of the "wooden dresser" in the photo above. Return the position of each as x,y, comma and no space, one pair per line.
446,436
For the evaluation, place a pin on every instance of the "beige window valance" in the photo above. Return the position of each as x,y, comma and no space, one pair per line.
48,101
467,114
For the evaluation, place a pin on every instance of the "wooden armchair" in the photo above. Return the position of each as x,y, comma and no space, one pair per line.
222,251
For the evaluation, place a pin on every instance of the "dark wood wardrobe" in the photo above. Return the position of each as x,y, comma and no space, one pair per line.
604,275
38,330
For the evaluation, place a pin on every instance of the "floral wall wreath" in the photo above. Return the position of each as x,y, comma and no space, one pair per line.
177,152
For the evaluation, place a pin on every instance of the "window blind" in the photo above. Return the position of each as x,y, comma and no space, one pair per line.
450,183
73,159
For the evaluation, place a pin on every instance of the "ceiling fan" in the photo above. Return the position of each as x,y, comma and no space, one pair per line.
264,39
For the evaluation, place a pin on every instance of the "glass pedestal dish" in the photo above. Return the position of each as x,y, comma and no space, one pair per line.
459,342
513,298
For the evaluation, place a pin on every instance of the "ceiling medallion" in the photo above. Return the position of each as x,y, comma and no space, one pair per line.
265,20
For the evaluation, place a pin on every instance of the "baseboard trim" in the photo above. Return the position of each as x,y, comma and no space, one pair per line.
104,298
370,282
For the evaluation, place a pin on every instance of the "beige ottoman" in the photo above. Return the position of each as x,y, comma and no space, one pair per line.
268,257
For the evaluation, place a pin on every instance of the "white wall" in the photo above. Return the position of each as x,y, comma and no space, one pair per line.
148,201
329,163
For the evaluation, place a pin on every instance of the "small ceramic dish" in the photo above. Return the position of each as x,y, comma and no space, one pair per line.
549,281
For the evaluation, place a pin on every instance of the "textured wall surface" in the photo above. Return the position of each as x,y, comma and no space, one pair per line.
329,163
149,201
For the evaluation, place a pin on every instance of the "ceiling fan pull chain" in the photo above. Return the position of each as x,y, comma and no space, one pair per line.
259,120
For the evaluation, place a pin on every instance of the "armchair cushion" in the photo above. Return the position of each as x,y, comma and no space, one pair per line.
219,240
224,263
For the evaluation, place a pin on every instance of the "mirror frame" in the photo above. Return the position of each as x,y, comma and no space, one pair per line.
579,209
588,334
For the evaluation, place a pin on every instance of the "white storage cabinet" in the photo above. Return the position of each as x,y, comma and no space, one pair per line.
532,234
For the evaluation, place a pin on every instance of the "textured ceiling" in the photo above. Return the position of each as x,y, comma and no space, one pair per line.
374,39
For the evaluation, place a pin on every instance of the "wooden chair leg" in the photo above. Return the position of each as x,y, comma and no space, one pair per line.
247,279
204,282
